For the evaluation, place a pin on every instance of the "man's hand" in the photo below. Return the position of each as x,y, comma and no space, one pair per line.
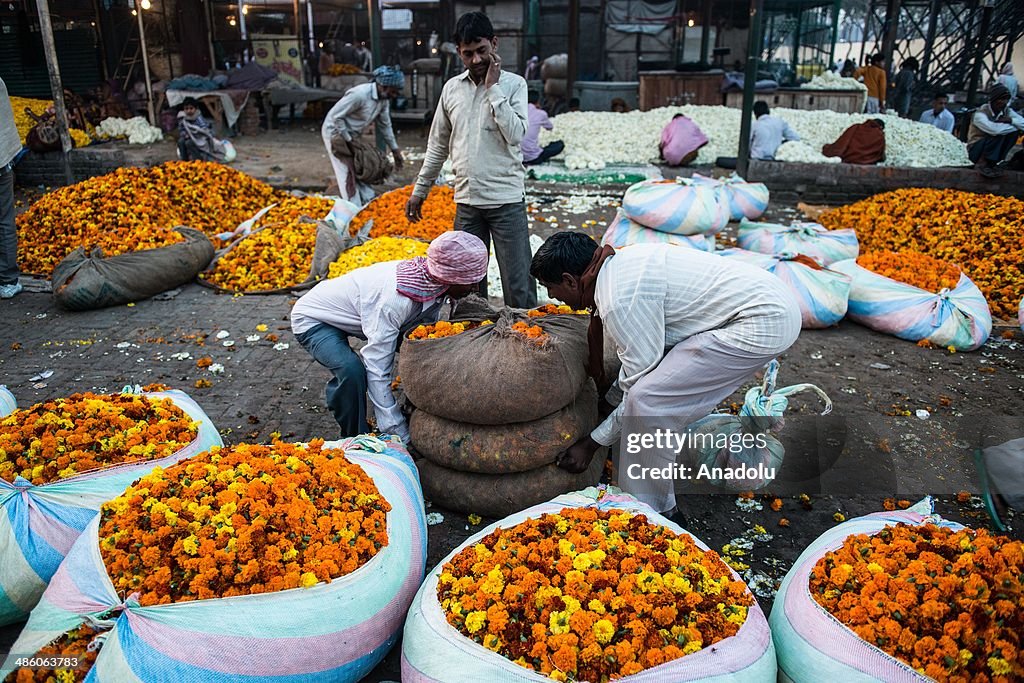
399,161
414,209
493,71
577,457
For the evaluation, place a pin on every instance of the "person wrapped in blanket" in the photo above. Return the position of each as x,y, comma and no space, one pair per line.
195,136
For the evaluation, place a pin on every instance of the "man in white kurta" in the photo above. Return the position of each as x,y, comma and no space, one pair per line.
689,328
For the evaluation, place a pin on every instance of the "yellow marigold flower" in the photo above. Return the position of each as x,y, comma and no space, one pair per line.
999,666
603,631
308,580
190,545
596,605
559,623
475,621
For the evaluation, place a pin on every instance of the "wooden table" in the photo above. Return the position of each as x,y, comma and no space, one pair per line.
671,88
842,101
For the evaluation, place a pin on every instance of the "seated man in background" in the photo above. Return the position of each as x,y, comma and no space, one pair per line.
681,140
993,132
938,115
537,118
768,133
861,143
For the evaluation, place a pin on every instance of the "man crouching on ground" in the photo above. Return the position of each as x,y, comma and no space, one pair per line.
689,328
380,304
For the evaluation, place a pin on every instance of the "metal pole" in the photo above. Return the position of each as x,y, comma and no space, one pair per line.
145,64
309,17
836,8
56,87
211,32
574,46
929,41
795,57
705,32
98,26
753,57
373,7
979,54
892,24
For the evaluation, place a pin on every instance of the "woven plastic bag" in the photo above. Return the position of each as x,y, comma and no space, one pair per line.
810,239
337,631
743,199
623,232
761,417
681,207
433,651
811,644
823,294
957,317
7,401
39,524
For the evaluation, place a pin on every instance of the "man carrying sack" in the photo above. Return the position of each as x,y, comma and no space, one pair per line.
357,162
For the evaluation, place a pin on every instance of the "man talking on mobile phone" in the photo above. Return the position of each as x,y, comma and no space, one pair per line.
480,123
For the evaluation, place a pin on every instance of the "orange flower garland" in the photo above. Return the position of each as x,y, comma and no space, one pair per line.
591,595
913,268
68,436
946,602
242,520
980,232
552,309
388,214
443,328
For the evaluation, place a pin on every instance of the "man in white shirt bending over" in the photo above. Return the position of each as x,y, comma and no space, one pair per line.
938,115
689,328
768,133
479,124
379,304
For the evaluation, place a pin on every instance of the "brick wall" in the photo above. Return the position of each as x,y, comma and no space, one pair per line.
47,169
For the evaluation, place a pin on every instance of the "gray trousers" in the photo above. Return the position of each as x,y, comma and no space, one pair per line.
8,232
508,227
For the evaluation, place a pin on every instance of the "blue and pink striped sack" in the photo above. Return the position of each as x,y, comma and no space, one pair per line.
957,317
680,207
812,645
810,239
7,402
39,524
335,631
744,200
623,232
823,294
433,651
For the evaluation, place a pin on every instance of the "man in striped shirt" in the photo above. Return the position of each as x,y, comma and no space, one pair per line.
689,328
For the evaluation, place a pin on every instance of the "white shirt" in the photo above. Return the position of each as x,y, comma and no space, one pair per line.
10,141
653,296
356,110
366,302
481,130
767,133
983,120
944,121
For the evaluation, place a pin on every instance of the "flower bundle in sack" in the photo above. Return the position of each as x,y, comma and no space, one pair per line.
623,232
905,596
823,294
279,562
744,200
60,460
681,207
740,464
810,239
590,586
932,300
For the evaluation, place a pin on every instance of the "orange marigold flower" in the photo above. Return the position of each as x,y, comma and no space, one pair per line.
388,214
913,268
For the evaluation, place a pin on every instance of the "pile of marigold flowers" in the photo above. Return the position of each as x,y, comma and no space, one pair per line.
591,595
388,214
913,268
65,437
980,232
74,643
948,603
242,520
533,333
443,328
553,309
343,70
279,255
377,251
24,123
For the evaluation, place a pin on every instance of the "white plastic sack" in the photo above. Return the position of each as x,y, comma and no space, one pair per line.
957,317
335,631
810,239
623,232
7,401
743,199
682,206
433,651
812,645
39,524
823,294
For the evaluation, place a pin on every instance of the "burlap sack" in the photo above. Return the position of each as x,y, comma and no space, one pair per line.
491,375
499,449
500,495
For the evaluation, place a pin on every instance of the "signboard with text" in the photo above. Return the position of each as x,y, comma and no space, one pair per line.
280,53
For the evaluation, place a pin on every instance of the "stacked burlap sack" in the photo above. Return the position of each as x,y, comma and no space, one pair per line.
494,408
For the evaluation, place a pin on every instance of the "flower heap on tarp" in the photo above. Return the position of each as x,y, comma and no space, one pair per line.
24,123
980,232
65,437
279,254
591,595
377,251
947,602
913,268
388,214
443,328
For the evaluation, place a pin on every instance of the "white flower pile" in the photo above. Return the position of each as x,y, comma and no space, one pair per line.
137,130
830,80
494,275
632,138
800,151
